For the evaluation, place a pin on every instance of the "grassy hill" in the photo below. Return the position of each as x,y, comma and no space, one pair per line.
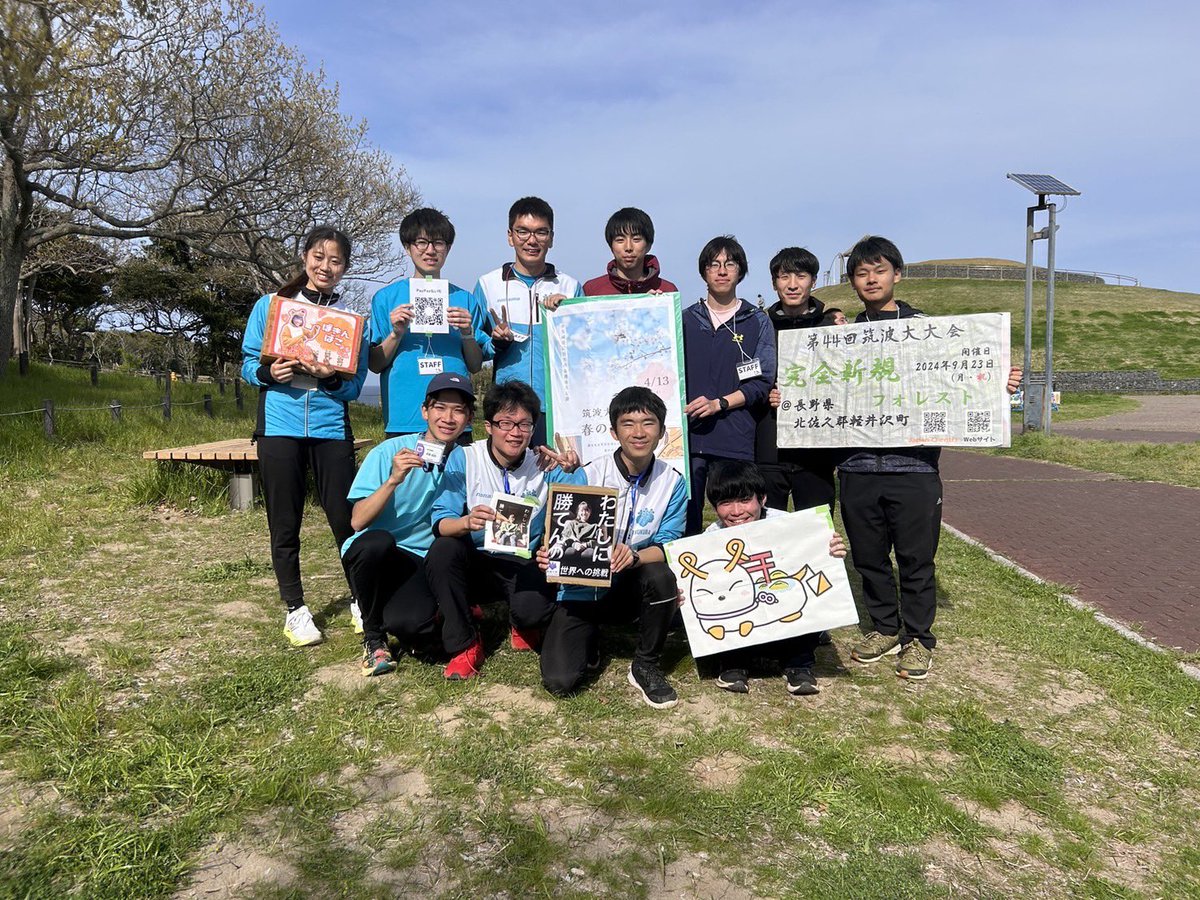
1096,326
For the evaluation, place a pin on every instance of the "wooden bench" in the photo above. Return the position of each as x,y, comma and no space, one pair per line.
239,456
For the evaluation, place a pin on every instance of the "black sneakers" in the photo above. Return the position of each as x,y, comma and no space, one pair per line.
654,688
736,681
801,681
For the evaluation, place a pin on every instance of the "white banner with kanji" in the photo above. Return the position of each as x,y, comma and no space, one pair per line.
932,380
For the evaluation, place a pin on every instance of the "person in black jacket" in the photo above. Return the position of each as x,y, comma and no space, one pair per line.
806,476
892,499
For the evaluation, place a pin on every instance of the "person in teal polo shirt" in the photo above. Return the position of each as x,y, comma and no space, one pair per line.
393,496
406,358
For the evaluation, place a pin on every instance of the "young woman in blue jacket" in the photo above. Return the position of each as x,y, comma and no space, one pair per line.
303,424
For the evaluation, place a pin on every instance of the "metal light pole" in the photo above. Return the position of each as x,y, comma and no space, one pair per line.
1044,186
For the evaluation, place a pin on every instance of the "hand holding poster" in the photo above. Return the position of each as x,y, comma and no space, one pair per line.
430,299
509,531
580,527
927,380
761,582
595,346
313,334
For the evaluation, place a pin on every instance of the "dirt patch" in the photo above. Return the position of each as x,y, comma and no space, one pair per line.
1005,870
904,755
18,802
1071,692
720,771
448,719
578,827
238,609
1011,819
1130,866
342,676
502,700
693,877
231,870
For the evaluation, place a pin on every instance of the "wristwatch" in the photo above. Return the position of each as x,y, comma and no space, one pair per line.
723,403
637,559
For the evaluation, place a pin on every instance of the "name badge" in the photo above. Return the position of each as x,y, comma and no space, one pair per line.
431,453
520,337
429,365
750,369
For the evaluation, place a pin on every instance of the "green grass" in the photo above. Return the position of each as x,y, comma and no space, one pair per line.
155,729
1096,327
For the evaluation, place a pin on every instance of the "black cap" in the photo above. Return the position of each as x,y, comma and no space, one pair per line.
451,381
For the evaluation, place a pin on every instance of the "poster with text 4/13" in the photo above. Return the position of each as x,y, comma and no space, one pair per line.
594,347
761,582
933,380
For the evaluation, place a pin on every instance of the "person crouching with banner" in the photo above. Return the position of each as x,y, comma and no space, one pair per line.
652,504
460,571
737,491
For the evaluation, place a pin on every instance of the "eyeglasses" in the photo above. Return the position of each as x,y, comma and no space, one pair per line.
505,425
424,244
524,234
719,264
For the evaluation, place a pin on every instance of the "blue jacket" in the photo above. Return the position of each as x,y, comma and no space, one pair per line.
286,411
712,357
401,386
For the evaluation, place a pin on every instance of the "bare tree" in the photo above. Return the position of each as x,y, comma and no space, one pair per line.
178,119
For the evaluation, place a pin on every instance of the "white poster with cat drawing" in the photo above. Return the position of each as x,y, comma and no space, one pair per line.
761,582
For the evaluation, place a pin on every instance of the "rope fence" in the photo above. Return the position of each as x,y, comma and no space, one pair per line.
49,410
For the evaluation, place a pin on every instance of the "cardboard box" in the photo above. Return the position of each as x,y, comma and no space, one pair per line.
297,329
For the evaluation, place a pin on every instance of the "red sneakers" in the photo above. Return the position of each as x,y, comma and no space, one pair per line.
466,664
525,641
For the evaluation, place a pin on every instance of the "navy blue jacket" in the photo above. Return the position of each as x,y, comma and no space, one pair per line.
712,358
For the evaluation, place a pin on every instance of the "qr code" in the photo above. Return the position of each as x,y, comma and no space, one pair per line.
933,423
979,421
427,311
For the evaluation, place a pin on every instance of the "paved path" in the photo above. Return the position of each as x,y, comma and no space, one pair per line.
1159,419
1131,549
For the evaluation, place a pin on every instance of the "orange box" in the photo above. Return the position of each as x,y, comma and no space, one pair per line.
297,329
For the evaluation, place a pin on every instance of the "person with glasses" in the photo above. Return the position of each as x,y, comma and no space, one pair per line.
460,572
729,355
407,359
515,294
393,497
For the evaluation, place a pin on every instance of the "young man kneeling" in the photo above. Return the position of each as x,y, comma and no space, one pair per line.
457,566
393,497
738,492
651,510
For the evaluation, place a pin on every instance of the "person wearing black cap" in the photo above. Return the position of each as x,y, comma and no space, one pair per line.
393,496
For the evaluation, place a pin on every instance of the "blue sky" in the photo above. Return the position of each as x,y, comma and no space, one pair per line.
783,123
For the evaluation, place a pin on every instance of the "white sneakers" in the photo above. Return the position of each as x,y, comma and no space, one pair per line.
300,628
356,617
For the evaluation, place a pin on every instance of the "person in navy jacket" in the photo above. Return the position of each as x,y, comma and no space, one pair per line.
303,424
729,350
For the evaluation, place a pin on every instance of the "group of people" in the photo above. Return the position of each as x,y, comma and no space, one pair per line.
410,522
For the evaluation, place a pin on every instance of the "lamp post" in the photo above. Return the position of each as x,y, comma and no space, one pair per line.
1044,186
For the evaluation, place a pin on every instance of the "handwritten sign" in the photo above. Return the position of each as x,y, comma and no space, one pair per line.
595,346
934,380
761,582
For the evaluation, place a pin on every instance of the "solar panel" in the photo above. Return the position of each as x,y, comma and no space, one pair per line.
1044,184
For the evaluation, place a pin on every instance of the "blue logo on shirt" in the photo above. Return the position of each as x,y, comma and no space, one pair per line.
645,516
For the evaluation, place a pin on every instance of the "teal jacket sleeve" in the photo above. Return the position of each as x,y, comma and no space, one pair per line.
252,339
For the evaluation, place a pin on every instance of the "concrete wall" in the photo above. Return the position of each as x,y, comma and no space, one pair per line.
1143,381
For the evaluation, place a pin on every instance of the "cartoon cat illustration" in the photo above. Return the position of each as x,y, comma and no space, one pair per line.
740,592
